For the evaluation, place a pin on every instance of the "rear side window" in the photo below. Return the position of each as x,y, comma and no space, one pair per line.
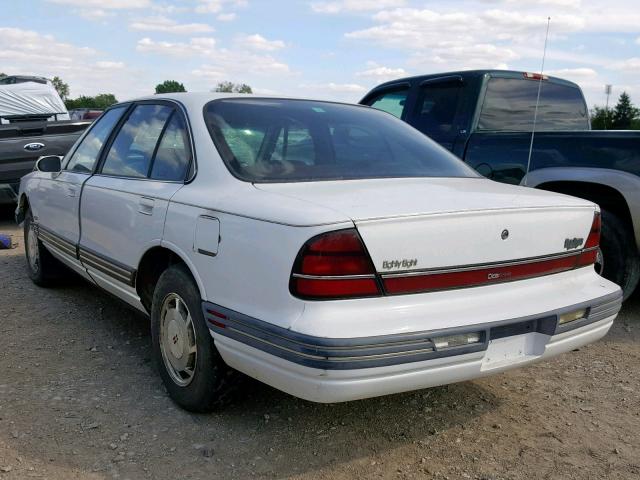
437,107
276,140
133,148
85,157
173,154
390,102
509,105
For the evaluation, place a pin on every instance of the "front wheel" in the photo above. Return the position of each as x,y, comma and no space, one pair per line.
42,267
191,368
618,258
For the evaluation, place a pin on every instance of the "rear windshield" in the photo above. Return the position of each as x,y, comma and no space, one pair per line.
274,140
509,105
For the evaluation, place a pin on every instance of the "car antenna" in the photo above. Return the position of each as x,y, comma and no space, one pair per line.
535,111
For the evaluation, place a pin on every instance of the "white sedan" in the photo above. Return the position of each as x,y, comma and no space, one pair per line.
328,250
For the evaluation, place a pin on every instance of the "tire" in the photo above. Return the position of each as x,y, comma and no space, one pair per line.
191,368
620,255
43,268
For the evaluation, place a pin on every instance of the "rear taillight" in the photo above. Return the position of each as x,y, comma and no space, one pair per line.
590,253
334,265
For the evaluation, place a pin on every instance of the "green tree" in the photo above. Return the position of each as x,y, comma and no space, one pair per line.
623,113
99,102
2,75
61,87
230,87
601,118
170,86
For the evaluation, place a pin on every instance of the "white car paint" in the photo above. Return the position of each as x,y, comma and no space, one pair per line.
240,241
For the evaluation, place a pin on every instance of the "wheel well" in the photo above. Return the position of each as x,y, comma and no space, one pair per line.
23,206
607,197
153,263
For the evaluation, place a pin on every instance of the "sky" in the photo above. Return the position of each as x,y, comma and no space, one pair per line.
334,49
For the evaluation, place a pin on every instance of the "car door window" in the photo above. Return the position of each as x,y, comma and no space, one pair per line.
172,157
132,150
391,102
85,156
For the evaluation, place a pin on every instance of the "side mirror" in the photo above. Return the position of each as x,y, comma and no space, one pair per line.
49,164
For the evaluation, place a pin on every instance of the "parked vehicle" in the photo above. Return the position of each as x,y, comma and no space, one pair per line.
486,117
84,113
326,249
33,122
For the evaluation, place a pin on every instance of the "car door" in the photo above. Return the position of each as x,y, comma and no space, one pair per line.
124,204
55,204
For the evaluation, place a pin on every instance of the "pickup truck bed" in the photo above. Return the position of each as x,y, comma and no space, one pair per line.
21,144
485,117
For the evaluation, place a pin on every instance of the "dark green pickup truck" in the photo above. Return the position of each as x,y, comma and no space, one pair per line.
486,118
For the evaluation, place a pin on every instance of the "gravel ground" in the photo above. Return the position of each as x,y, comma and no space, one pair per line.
80,399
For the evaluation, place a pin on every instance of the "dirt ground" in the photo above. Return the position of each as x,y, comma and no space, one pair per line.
80,399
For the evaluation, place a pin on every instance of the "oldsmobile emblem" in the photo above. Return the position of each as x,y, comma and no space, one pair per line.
505,234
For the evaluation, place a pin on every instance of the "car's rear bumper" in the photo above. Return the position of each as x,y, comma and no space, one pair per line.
339,369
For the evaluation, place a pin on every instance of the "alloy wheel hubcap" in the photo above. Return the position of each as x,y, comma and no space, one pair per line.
178,340
32,248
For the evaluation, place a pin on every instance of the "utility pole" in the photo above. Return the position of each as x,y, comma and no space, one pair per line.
607,90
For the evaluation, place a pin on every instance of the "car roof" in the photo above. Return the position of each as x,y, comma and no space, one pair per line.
466,74
197,100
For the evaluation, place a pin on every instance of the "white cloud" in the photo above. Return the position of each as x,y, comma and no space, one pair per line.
167,25
196,46
355,5
106,4
638,40
258,42
108,65
226,17
629,65
574,73
335,87
237,64
94,14
380,73
85,69
216,6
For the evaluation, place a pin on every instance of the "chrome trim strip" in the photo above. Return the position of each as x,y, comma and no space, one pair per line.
117,276
331,277
104,262
480,266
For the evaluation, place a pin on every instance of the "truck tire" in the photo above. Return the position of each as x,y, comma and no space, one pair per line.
620,255
191,368
43,268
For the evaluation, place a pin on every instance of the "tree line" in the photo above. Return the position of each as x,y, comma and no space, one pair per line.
623,116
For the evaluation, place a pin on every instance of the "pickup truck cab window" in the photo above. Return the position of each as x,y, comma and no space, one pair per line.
132,150
391,101
509,105
84,158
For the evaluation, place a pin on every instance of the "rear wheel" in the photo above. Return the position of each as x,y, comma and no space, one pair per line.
191,368
619,260
44,270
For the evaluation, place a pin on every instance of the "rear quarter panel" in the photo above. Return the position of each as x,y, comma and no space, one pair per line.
250,273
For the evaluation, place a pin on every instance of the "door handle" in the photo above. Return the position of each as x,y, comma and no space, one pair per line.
145,206
71,191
